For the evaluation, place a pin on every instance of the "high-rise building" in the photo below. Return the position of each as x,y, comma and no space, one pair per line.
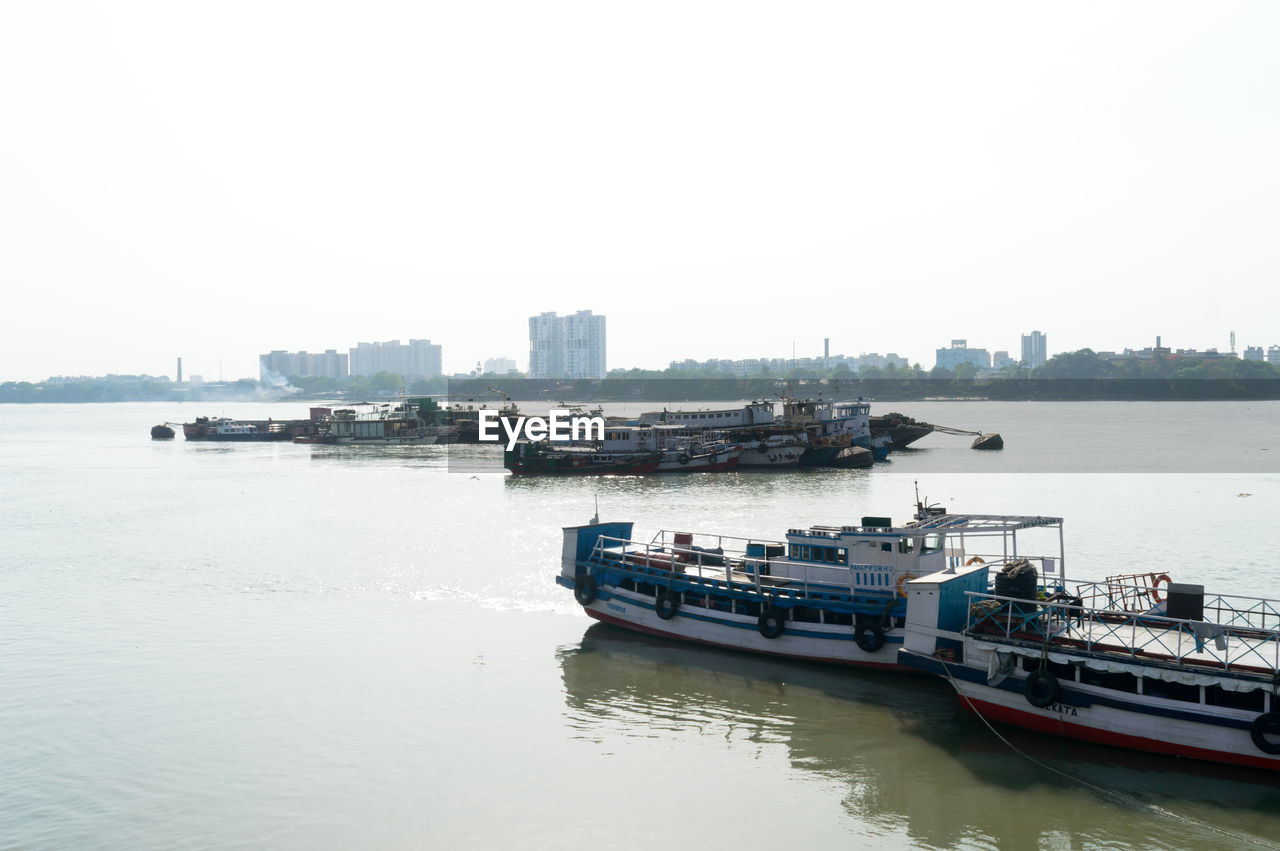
1034,349
418,359
961,353
570,346
1254,353
328,364
499,366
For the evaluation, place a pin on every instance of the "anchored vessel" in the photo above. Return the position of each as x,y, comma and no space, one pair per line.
1116,662
825,593
538,459
680,450
225,428
397,423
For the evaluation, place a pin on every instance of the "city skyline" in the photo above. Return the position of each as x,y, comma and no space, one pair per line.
724,203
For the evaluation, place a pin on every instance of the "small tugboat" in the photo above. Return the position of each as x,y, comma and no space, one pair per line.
832,427
1133,661
538,459
162,432
825,593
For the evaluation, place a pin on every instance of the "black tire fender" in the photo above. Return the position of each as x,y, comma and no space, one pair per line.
1041,689
585,590
772,622
667,604
869,637
1266,724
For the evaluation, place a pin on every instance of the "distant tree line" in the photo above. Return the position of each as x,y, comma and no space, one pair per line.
1079,375
1072,375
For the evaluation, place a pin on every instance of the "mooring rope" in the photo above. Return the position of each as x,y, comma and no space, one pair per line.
1113,793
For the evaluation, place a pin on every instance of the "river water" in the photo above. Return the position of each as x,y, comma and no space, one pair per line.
207,645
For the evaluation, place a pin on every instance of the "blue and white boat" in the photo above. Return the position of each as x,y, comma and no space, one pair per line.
1133,661
823,593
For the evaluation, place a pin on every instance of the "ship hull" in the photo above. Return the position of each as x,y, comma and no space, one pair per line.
825,643
1130,721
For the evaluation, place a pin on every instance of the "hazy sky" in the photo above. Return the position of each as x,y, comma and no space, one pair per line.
215,180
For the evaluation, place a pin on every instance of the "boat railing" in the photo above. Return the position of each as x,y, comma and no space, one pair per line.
666,538
1233,610
1236,641
729,570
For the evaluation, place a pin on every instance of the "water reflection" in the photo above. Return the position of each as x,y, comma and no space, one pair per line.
902,751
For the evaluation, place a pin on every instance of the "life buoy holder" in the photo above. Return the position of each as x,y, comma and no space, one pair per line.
585,590
1265,732
902,581
667,604
975,560
869,637
1156,596
771,622
1041,688
684,458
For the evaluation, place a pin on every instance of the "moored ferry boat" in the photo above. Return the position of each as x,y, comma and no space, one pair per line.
539,459
809,433
681,451
824,593
1135,662
227,429
390,423
831,427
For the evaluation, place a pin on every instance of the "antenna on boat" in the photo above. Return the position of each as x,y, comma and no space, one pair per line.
595,518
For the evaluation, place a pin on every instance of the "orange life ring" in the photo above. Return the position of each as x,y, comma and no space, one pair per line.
902,581
975,560
1156,597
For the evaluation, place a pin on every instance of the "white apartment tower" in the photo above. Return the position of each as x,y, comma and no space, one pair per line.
567,346
1035,348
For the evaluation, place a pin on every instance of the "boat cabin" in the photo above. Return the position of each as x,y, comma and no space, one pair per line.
880,557
645,438
753,414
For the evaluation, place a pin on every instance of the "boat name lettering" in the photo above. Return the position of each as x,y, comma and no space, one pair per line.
1063,709
615,607
561,426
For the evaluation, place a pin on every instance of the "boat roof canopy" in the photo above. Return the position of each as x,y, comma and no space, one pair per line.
975,524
